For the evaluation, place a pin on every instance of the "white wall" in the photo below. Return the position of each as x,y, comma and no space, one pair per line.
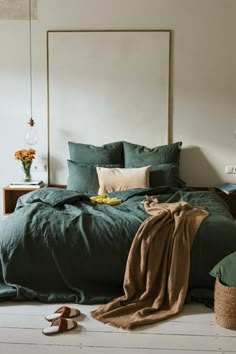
204,75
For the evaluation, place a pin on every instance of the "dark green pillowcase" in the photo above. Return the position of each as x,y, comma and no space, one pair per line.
138,155
164,161
165,175
90,154
225,270
83,177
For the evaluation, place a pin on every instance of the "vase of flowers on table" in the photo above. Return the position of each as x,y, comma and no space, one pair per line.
26,157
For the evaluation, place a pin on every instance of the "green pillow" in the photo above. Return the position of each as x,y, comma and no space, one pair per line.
225,270
164,161
90,154
83,178
165,175
138,155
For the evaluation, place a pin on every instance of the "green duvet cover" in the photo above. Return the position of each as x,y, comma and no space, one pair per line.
58,246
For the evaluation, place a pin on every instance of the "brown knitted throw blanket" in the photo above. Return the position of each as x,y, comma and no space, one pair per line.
157,269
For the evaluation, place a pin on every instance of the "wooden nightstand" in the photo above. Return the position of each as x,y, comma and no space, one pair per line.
10,197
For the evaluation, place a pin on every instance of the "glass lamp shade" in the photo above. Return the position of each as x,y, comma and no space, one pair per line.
31,136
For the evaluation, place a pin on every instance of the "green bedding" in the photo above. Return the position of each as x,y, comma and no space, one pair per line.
58,246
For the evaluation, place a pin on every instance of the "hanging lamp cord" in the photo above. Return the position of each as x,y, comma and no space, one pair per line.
30,61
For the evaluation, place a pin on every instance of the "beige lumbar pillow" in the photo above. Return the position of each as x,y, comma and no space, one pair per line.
121,179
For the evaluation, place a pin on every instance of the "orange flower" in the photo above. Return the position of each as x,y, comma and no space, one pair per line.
25,155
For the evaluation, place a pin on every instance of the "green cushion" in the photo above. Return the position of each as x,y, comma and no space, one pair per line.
90,154
164,161
165,175
225,270
138,155
83,178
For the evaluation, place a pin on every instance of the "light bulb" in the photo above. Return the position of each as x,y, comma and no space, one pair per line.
31,137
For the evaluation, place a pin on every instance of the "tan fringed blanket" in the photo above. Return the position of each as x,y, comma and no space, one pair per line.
157,269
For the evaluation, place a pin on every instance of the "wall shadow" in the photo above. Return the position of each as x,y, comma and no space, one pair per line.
196,170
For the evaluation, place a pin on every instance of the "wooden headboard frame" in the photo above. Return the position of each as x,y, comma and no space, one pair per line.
52,112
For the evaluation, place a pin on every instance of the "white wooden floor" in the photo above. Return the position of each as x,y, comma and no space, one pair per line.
194,331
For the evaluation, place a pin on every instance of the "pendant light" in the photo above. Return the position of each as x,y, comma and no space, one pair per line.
31,132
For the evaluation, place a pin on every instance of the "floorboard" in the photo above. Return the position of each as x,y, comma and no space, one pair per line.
193,331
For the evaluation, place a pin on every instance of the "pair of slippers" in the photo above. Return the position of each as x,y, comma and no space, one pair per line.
61,320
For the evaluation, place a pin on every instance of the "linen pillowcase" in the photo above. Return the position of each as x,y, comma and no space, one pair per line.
165,175
121,179
164,161
225,270
138,155
83,178
97,155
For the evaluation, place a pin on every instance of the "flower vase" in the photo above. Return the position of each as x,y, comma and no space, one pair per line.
26,171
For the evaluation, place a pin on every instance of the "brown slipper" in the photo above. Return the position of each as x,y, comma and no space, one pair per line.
60,325
63,312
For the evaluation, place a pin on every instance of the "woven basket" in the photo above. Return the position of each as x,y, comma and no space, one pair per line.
225,305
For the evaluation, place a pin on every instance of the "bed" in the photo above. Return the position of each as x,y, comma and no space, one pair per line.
64,245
